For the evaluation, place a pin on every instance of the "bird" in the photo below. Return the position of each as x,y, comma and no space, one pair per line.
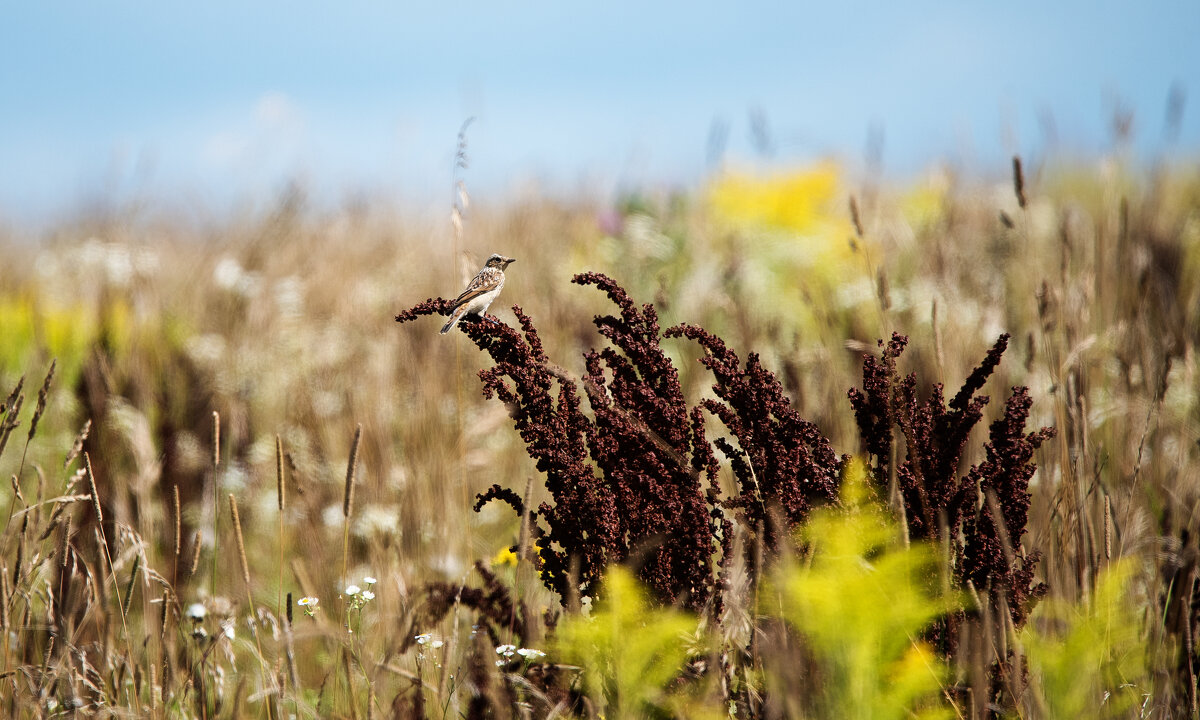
480,292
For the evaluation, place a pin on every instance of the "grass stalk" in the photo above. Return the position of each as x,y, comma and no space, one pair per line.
112,571
216,498
348,502
267,676
176,516
281,495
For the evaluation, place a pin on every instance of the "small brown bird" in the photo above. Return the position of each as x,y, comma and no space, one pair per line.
480,292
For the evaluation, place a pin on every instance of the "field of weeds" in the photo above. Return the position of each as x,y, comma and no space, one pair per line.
694,479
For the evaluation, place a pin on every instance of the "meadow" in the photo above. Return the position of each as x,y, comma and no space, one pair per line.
240,488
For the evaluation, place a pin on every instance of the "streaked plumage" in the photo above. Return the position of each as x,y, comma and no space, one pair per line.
480,292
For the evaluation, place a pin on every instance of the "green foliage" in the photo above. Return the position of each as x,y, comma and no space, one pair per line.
34,331
1090,658
630,651
862,604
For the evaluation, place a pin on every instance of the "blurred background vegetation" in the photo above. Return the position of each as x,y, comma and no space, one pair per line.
281,321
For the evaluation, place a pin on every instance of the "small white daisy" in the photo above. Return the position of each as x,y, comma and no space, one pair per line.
368,580
196,612
368,595
531,654
309,604
353,590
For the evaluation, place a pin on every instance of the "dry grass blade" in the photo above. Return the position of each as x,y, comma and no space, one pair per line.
5,595
196,546
241,547
95,494
1018,181
1001,525
64,543
56,501
216,439
523,550
348,499
16,488
216,498
177,516
281,500
12,396
43,394
12,419
77,446
290,646
103,536
1107,528
280,490
351,469
137,563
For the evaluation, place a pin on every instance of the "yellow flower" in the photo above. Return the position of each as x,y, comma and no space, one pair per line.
799,202
505,556
793,239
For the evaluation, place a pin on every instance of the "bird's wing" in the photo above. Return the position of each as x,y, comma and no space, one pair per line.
485,281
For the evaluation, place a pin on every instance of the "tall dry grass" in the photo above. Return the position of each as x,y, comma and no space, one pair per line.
281,322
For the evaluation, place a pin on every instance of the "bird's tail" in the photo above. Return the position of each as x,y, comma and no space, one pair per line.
454,318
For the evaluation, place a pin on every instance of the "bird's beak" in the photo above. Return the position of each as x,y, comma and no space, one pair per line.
508,261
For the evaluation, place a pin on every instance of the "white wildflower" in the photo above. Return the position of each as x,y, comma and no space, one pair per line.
309,604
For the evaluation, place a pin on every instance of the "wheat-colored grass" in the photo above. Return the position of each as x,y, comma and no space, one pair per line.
282,320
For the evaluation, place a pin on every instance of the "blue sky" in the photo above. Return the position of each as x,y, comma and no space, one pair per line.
208,104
